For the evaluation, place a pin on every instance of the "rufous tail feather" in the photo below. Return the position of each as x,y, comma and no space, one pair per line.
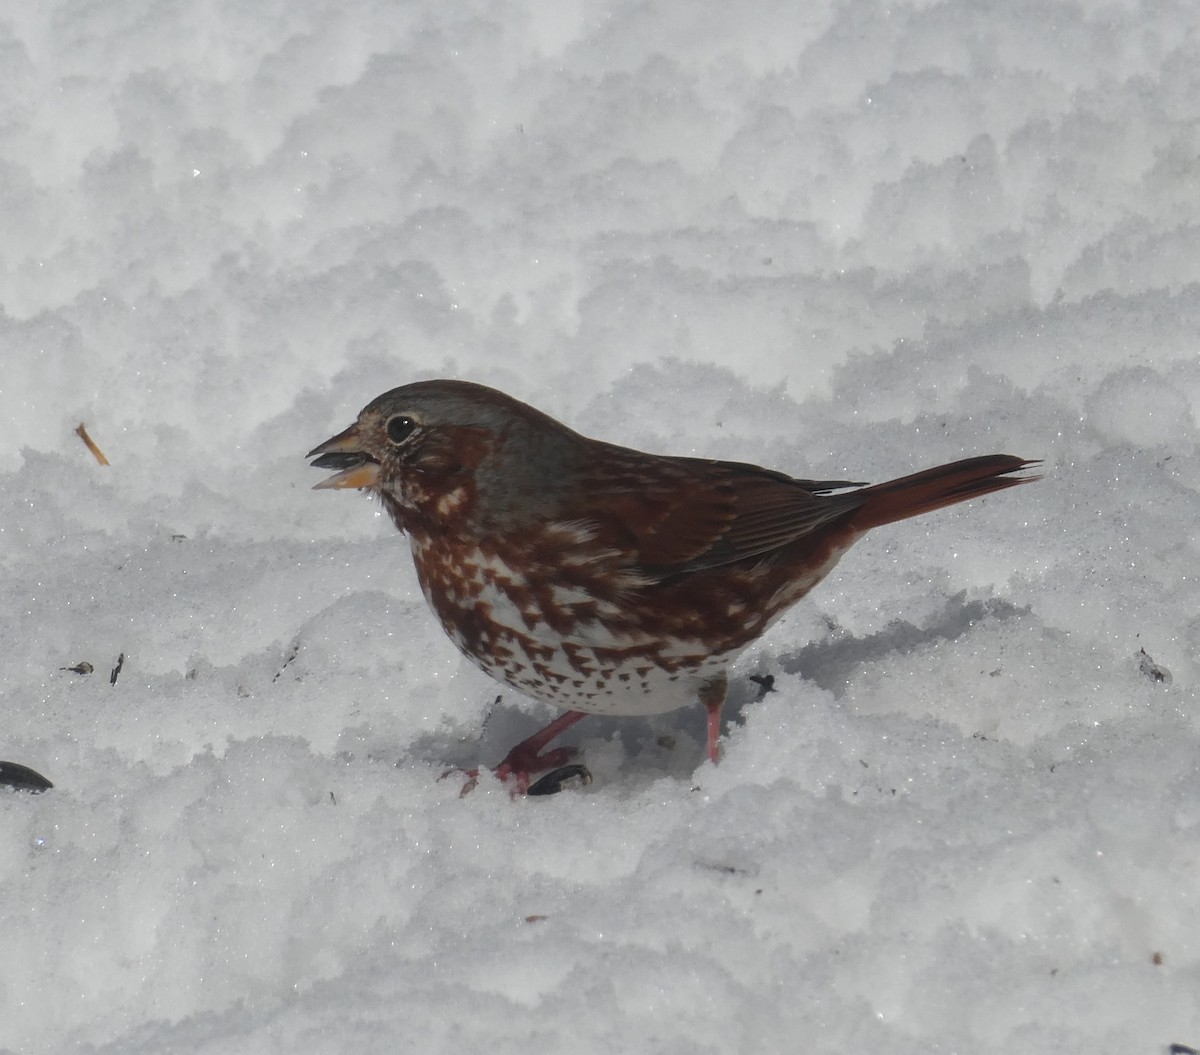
923,492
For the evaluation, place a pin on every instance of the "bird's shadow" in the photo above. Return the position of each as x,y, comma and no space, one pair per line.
672,744
830,662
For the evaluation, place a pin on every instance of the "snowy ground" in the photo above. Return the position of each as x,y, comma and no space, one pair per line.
841,239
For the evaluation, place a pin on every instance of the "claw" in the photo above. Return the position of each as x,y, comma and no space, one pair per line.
472,781
528,758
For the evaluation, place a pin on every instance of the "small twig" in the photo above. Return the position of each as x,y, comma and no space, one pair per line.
293,652
116,671
88,442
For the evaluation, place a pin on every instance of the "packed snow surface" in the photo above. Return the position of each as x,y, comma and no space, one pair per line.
841,239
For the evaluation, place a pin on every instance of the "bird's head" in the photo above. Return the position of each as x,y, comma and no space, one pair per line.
437,452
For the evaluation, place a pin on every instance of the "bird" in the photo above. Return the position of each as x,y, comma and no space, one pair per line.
598,578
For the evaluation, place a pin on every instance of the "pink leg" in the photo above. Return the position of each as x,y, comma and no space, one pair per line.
527,757
714,731
712,695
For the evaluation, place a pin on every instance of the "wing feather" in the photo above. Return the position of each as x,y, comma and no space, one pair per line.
679,515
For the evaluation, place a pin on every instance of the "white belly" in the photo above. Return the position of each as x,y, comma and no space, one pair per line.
601,665
641,688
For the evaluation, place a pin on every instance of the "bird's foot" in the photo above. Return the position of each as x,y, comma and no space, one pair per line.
528,758
519,774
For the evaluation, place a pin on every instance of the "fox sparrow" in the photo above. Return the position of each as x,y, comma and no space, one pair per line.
598,578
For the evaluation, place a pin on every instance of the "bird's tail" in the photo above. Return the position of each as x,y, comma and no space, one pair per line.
923,492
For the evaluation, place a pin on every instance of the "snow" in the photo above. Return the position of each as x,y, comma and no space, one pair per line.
843,240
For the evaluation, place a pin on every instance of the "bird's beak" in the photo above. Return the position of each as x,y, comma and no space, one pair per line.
344,451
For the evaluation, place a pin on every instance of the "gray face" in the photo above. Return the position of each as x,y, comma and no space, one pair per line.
452,449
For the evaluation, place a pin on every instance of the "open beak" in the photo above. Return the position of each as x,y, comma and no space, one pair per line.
344,451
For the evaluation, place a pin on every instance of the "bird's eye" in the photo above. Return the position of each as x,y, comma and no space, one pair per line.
400,428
